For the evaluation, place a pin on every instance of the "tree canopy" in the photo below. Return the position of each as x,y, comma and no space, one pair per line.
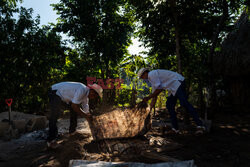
181,36
31,58
101,30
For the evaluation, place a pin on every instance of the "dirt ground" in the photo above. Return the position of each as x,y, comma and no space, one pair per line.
227,144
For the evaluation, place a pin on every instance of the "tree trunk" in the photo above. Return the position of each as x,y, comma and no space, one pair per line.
177,35
133,98
201,96
214,41
107,93
177,42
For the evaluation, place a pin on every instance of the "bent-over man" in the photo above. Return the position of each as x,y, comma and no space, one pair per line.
73,96
174,83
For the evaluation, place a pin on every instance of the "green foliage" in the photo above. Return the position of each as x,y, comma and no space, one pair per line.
12,3
32,59
197,22
130,66
101,30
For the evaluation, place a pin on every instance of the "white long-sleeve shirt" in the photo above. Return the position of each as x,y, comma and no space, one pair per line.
165,79
74,92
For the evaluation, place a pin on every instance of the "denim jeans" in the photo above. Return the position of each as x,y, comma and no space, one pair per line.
182,96
57,106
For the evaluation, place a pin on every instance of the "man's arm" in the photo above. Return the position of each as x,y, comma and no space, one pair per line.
79,111
152,104
155,94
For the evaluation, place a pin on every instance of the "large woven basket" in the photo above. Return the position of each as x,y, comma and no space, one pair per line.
121,123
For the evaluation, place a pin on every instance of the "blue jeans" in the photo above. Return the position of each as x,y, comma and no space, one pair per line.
182,96
56,110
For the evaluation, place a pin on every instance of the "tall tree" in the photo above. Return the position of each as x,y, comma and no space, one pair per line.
177,34
165,23
102,29
214,42
31,58
102,32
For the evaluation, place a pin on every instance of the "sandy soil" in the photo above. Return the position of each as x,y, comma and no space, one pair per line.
226,145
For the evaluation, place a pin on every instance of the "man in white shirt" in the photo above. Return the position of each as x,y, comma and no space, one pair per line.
174,83
73,96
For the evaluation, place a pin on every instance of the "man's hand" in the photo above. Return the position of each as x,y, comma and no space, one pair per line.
154,95
88,116
79,111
